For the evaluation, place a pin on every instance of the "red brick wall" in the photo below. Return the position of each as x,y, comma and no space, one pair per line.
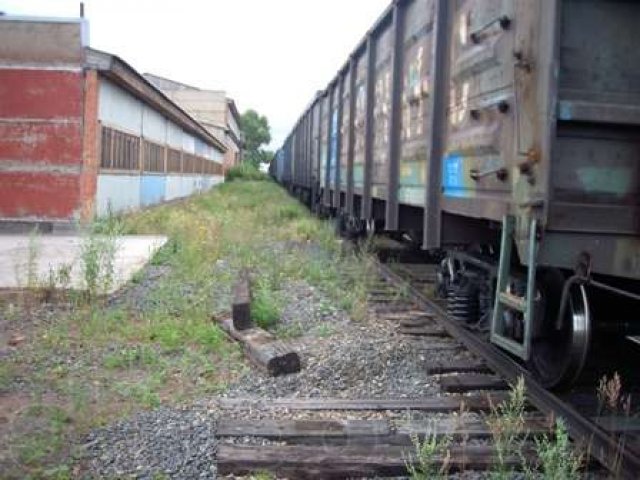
91,147
41,144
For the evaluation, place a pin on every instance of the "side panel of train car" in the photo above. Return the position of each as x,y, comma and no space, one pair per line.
475,126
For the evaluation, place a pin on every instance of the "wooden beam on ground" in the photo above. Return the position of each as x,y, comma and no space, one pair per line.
302,462
468,382
424,331
277,357
365,432
457,366
392,308
409,314
446,404
305,431
241,306
413,322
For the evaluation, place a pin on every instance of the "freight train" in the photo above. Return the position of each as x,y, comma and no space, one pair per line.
504,134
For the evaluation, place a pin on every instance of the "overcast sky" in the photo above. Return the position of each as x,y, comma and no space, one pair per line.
269,55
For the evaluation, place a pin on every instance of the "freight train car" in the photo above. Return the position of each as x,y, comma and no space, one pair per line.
506,134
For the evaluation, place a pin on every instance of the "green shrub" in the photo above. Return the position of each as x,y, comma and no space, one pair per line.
265,308
245,171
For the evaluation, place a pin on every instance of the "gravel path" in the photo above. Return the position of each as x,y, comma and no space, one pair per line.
340,359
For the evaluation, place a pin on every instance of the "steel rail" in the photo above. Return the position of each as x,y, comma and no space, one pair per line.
601,445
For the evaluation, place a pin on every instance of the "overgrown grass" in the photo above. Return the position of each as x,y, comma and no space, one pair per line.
112,359
245,171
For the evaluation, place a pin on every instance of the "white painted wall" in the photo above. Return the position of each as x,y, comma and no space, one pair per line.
188,143
121,193
174,135
154,126
119,109
200,147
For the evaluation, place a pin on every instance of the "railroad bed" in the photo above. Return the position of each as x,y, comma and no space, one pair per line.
329,437
367,390
610,433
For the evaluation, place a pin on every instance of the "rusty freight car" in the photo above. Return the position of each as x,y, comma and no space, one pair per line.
505,134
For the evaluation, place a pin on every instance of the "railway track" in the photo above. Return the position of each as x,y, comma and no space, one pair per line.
366,437
615,448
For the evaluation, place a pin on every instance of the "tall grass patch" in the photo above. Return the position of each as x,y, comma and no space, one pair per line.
157,343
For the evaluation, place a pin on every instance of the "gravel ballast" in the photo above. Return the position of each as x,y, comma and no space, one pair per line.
341,358
177,443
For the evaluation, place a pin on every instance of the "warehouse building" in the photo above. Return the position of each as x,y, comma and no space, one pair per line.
82,133
212,108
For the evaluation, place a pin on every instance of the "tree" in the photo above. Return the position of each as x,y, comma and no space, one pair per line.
256,134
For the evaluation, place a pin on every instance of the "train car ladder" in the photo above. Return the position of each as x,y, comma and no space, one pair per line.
506,300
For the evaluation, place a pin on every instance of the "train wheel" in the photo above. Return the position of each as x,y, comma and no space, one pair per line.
558,355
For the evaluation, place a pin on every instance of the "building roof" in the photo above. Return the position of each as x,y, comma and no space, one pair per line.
233,109
167,83
123,74
173,86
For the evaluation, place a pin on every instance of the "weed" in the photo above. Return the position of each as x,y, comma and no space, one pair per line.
6,376
108,225
168,334
558,461
290,331
57,279
610,393
506,423
265,307
78,393
325,330
97,254
208,336
32,259
144,392
612,400
165,254
286,213
131,357
26,274
429,452
137,277
50,438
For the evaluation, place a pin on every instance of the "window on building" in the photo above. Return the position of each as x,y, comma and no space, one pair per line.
119,150
174,161
189,161
153,157
213,168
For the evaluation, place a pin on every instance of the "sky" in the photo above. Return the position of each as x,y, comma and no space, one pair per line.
269,55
